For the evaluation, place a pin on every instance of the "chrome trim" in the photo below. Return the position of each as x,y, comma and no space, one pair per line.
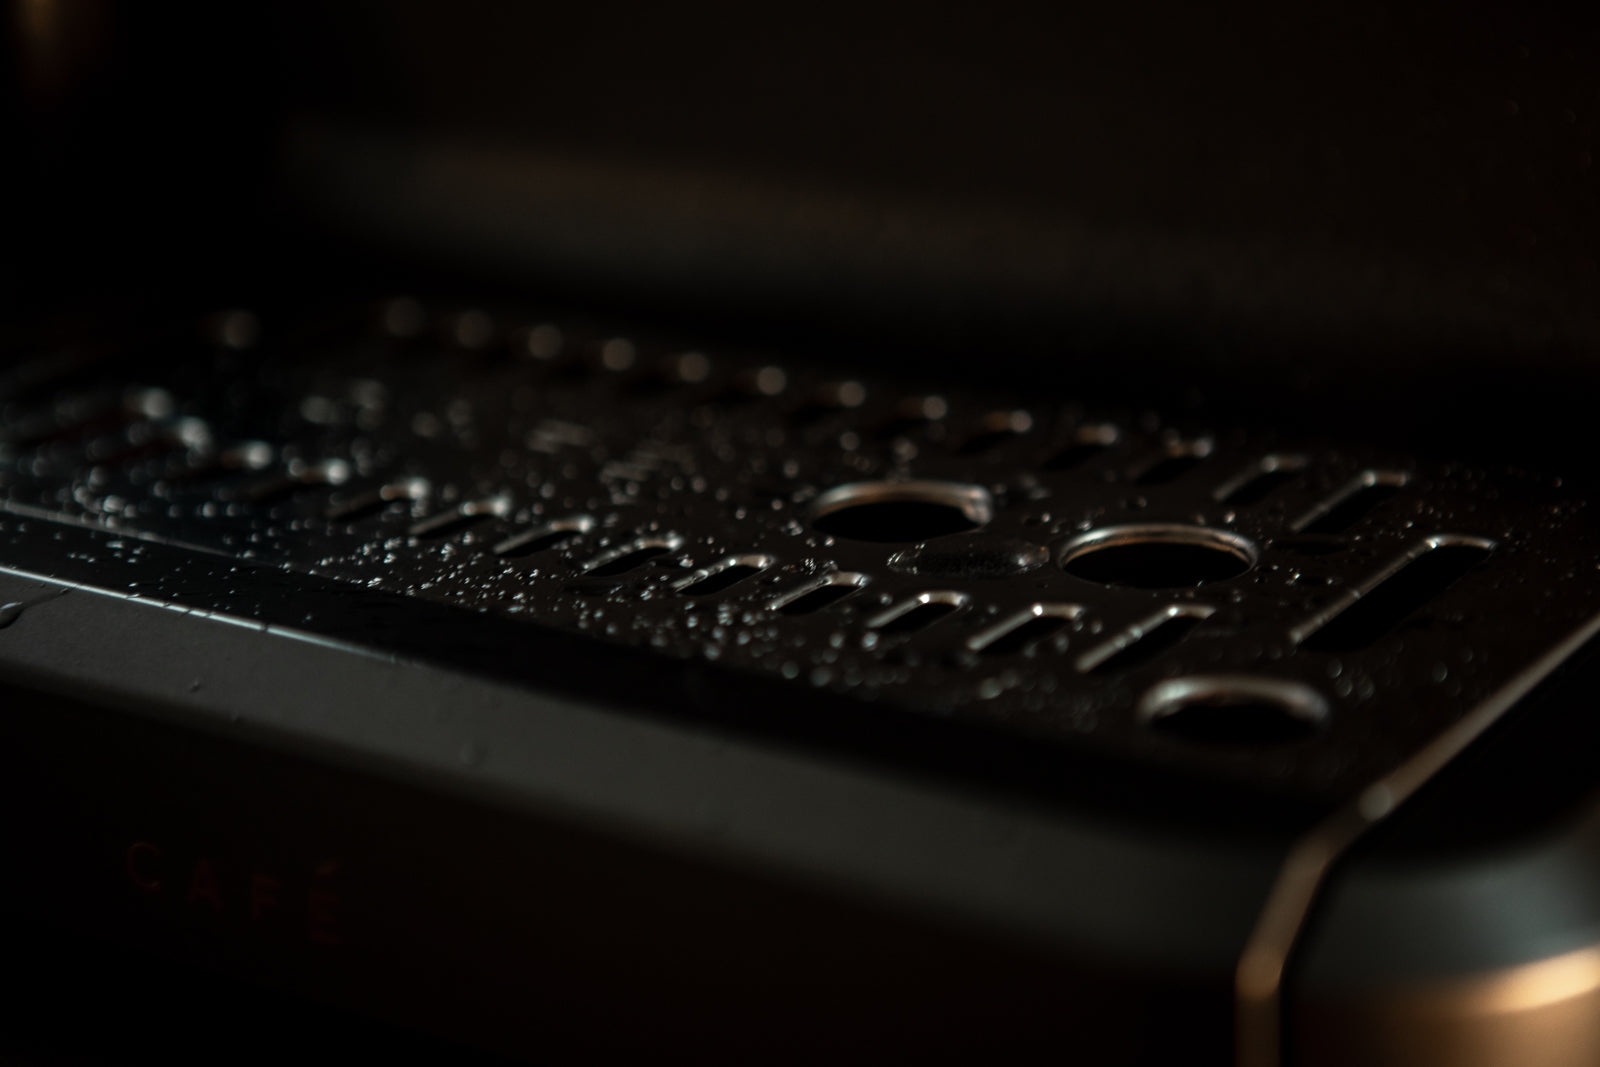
989,635
758,561
1342,603
947,597
574,524
1297,700
1258,980
1367,479
1132,635
666,542
1158,533
1269,464
407,489
973,501
472,509
851,578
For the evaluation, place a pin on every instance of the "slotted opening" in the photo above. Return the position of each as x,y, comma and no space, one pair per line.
627,561
1273,474
551,535
528,545
1351,504
300,479
1088,442
448,523
1024,634
463,516
829,400
369,504
1397,598
917,618
901,511
1174,466
611,564
1234,712
1157,556
1258,488
998,428
911,415
824,596
1140,645
726,576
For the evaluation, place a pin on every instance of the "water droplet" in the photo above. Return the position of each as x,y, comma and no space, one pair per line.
10,613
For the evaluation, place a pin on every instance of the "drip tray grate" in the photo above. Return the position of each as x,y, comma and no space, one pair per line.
1294,614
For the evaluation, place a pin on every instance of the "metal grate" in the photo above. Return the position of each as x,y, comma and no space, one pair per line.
1030,566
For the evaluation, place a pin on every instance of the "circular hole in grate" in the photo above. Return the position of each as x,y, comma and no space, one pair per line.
901,511
1157,555
1234,710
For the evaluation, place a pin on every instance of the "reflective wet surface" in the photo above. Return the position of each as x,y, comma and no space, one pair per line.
1017,571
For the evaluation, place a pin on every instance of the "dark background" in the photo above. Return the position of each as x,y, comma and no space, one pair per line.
1383,214
1379,221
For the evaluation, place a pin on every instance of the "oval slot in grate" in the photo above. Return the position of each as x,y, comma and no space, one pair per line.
459,518
1367,613
547,536
722,576
819,595
1351,503
918,613
1023,630
1260,480
630,557
1180,459
1145,640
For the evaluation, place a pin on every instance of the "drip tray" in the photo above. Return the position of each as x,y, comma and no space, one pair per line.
1295,615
